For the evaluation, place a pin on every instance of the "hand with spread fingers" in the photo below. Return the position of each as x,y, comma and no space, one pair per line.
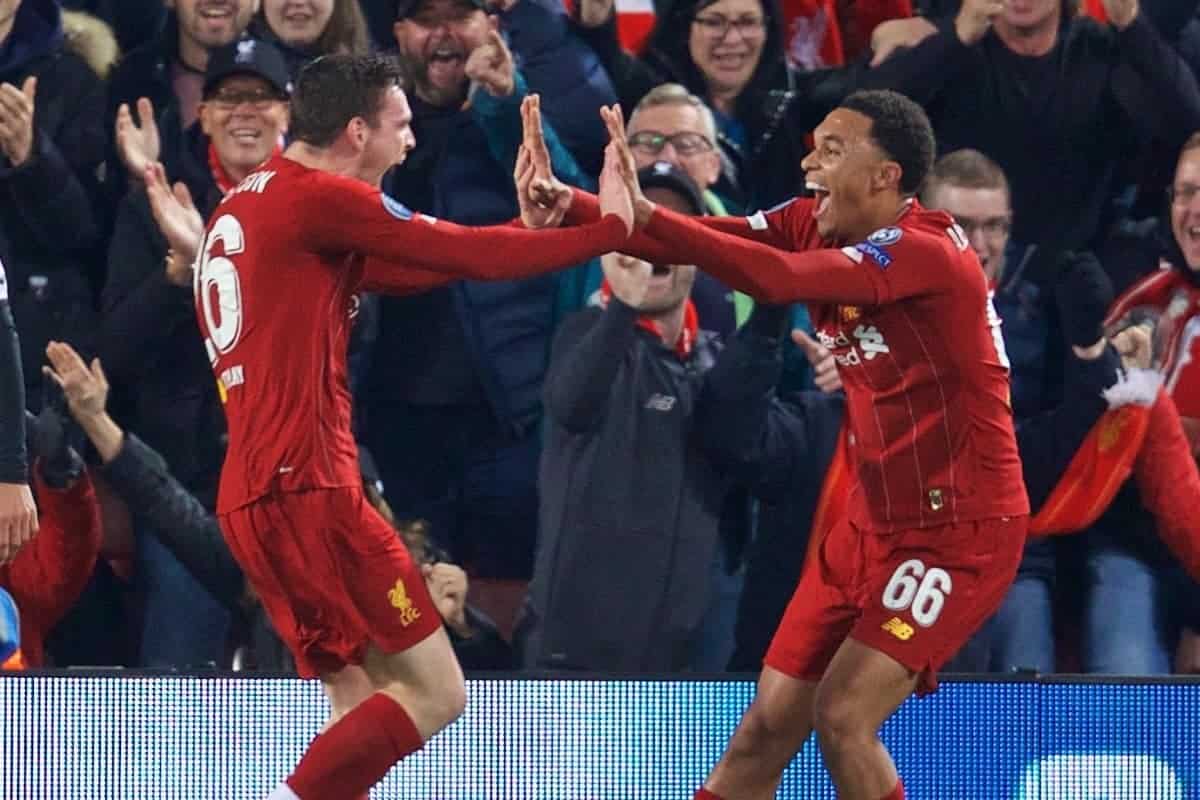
139,145
175,214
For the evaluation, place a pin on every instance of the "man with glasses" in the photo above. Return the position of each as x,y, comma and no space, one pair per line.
1168,299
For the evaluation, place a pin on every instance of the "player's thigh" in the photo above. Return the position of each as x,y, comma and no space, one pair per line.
822,610
927,591
379,577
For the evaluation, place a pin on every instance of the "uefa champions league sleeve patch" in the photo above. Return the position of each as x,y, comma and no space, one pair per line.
396,208
885,236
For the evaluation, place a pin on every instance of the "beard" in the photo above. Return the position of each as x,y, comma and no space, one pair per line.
431,93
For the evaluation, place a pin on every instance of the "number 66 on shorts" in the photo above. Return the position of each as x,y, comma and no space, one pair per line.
917,595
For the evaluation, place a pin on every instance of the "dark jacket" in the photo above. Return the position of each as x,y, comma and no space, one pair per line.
560,67
778,108
629,506
133,21
49,223
1059,125
782,446
190,531
149,340
473,343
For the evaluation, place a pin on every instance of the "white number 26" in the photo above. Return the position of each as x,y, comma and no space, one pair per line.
912,585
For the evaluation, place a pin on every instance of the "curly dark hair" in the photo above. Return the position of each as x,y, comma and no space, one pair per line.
334,89
901,129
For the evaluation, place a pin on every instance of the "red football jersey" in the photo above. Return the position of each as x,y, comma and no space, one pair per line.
275,283
908,316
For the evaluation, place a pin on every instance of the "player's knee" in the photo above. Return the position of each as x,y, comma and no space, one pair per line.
839,719
762,726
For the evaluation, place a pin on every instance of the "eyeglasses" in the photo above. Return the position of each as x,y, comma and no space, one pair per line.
717,26
686,143
1183,194
261,99
991,227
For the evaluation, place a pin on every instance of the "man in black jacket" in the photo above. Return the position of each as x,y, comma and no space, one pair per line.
629,507
18,515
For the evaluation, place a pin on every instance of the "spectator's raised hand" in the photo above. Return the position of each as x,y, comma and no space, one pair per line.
16,120
1084,292
491,66
896,34
138,145
628,277
18,519
85,387
825,373
447,586
543,198
975,19
174,213
594,13
1135,346
1121,13
624,162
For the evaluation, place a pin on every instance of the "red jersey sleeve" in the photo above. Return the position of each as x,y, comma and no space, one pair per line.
338,214
775,227
891,265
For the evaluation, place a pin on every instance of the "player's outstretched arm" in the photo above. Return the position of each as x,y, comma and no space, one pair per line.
369,223
769,274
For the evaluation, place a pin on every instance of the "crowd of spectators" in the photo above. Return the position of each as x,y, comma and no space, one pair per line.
597,476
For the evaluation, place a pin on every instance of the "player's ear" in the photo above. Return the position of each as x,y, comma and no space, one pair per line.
887,175
356,132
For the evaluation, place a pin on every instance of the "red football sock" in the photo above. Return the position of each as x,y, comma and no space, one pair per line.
356,751
705,794
895,794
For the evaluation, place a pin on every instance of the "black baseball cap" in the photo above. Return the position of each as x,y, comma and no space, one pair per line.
248,56
665,175
406,8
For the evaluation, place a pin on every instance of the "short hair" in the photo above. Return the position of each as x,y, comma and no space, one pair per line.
675,94
966,169
901,129
334,89
1192,143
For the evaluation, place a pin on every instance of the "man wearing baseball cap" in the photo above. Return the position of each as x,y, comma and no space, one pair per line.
149,344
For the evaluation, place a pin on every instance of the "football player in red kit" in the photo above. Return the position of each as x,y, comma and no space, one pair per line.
933,529
275,281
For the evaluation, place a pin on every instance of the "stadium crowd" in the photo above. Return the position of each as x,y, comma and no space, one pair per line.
592,486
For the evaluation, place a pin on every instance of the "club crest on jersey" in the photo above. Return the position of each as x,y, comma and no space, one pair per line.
885,236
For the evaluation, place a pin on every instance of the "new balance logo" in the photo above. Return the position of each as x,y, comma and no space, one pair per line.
660,402
899,628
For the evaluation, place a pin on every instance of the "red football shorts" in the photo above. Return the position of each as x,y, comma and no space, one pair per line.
917,595
332,575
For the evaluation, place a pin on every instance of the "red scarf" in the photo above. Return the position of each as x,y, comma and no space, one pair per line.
225,183
1100,466
687,335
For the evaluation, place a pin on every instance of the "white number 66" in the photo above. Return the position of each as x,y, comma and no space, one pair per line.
924,590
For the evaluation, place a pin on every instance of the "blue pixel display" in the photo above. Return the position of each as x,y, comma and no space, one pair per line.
169,738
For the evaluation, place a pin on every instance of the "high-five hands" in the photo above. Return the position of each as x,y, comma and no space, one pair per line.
626,165
543,198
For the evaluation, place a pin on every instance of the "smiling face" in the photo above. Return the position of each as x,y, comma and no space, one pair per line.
298,23
212,23
245,119
436,40
726,42
844,172
1185,207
